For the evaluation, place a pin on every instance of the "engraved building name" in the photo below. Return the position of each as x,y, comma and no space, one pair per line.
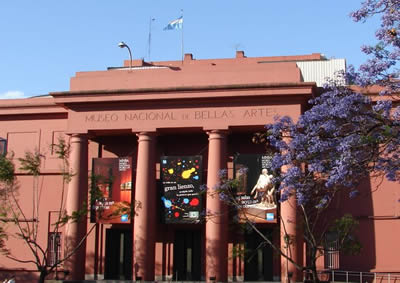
249,113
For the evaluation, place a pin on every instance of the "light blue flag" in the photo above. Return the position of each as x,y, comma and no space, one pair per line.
175,24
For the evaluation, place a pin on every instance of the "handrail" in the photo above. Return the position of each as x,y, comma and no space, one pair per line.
362,277
359,276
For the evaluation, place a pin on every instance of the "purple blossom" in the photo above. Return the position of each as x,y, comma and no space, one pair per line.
322,202
223,173
354,193
384,107
223,197
203,188
336,138
224,186
243,170
382,65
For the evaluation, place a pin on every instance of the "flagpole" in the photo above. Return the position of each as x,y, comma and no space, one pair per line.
149,51
182,36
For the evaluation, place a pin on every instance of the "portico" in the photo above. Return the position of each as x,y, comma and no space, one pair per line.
223,115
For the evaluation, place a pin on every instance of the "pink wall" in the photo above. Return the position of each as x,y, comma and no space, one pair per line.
33,132
180,102
377,210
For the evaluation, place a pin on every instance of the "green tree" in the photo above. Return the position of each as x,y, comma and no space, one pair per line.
27,223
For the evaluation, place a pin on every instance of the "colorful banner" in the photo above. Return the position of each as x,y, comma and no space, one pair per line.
111,190
256,194
181,177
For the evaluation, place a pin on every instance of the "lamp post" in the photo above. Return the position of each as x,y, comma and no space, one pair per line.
124,45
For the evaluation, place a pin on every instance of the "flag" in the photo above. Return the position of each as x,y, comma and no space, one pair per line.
175,24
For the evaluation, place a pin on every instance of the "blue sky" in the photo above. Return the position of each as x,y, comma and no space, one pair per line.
44,42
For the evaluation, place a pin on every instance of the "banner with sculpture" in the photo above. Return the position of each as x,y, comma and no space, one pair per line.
256,195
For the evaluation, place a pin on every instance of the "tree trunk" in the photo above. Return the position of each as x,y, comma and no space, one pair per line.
315,278
313,266
43,275
311,270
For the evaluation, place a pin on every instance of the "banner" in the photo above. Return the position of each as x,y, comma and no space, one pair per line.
181,177
111,190
256,194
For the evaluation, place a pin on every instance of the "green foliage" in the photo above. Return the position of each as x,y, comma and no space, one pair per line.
31,162
345,229
7,178
95,192
76,216
3,239
7,170
61,149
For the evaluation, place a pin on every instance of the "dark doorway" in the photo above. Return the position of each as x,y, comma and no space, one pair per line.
187,256
258,257
118,257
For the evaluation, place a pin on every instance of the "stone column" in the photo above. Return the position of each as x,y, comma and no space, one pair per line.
76,198
145,197
291,241
217,223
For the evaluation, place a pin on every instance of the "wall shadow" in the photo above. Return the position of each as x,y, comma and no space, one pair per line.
361,208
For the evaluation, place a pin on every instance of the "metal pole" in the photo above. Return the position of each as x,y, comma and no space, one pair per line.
149,51
347,277
123,45
182,37
130,57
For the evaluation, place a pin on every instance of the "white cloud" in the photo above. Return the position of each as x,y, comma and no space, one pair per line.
12,94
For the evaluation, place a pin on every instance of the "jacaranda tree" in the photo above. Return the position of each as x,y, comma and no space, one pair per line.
344,137
382,66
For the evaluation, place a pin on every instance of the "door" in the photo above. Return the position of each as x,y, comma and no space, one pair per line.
187,256
258,257
118,257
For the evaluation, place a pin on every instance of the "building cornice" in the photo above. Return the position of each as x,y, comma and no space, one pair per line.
29,106
211,92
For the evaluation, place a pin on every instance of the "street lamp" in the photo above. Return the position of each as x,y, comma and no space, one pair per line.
124,45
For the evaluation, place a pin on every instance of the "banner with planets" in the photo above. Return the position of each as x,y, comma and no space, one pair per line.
256,195
181,177
111,190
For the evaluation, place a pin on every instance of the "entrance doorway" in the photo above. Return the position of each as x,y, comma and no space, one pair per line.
187,256
258,257
118,257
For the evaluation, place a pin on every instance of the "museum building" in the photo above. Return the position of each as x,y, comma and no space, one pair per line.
155,134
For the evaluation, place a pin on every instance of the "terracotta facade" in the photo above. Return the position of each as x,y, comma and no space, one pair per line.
208,108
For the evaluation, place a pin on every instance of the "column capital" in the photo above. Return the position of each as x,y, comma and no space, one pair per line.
146,136
217,134
79,136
